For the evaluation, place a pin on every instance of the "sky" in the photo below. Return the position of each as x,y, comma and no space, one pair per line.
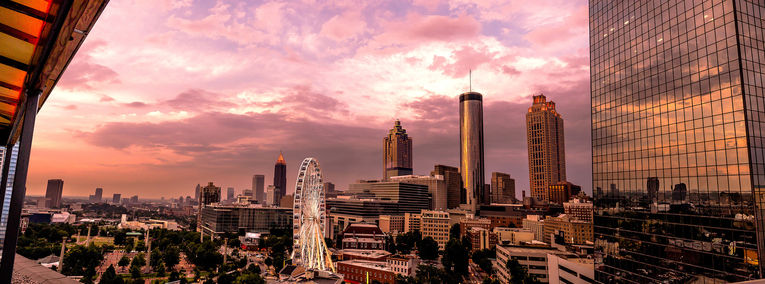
167,94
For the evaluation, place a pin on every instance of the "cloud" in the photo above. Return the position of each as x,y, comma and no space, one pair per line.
198,100
344,26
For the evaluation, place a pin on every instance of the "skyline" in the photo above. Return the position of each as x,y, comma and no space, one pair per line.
132,134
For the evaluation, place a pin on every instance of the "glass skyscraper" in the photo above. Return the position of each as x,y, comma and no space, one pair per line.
678,119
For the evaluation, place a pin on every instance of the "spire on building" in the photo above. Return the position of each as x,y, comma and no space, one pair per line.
280,160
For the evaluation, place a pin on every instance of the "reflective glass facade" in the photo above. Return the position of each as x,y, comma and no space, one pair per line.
678,119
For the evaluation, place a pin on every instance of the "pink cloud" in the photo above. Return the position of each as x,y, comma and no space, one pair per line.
418,29
465,58
344,26
572,26
430,5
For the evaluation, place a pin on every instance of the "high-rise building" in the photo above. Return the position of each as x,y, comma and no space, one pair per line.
53,193
453,180
280,180
258,188
502,188
397,152
197,191
270,195
99,194
678,96
562,191
471,149
547,156
210,194
436,188
116,198
230,194
134,199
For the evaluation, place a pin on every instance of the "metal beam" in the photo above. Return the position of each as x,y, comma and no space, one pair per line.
18,34
19,187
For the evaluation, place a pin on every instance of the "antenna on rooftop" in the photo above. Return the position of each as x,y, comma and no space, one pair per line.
470,77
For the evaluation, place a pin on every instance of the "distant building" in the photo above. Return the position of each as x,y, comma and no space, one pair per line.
481,239
502,188
230,194
469,223
280,180
547,156
53,193
258,188
271,193
197,192
453,181
412,222
562,191
504,215
219,219
471,150
287,201
573,231
578,209
652,186
116,198
436,187
513,236
397,152
535,225
210,194
97,196
410,197
392,224
134,199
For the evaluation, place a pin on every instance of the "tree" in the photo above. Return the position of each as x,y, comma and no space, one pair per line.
454,232
138,261
483,259
519,274
120,237
79,259
129,245
427,248
135,272
110,277
406,241
456,258
124,261
249,278
140,245
171,257
156,258
160,269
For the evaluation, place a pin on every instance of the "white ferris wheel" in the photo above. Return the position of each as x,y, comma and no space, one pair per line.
309,219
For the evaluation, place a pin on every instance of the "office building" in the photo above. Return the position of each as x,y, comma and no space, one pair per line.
677,95
572,230
565,268
536,225
134,199
513,236
54,192
435,224
502,188
220,219
197,192
97,196
505,215
469,223
547,157
562,191
210,194
436,188
280,180
391,224
471,150
397,152
409,197
453,181
258,188
578,209
405,265
362,236
230,194
116,198
481,239
271,193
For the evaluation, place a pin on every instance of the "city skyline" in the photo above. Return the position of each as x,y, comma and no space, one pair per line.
173,144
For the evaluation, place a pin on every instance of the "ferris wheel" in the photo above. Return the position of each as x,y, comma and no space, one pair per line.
309,219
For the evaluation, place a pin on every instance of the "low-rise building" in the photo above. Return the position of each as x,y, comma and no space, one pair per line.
405,265
513,236
219,219
533,258
536,225
578,209
435,224
365,271
362,236
573,231
412,222
469,223
570,269
363,254
481,239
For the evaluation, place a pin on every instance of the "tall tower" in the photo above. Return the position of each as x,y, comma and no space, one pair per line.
280,179
471,149
258,183
53,193
547,157
397,152
678,113
502,188
453,184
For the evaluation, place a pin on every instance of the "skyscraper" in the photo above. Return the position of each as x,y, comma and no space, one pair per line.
280,179
53,193
99,194
197,191
453,182
502,188
544,135
258,186
678,106
210,194
116,198
397,152
471,149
